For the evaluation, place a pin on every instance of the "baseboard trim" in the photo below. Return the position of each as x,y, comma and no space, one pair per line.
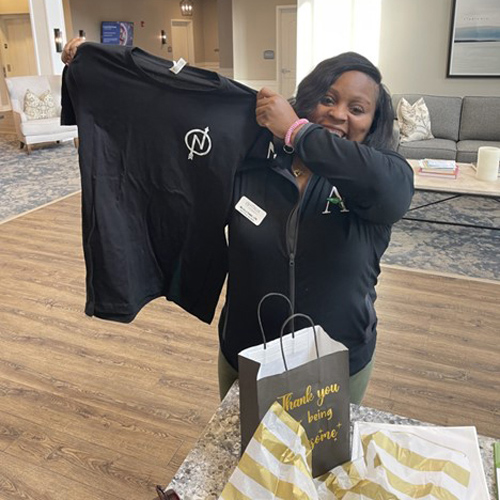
440,273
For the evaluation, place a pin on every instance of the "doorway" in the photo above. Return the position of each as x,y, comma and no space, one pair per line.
286,63
17,50
182,40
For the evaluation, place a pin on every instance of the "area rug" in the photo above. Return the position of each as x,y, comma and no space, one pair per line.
465,251
27,181
51,173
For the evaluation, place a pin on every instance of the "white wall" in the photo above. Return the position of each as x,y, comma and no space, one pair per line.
414,50
155,16
225,29
14,7
46,15
356,28
254,31
68,21
210,46
149,19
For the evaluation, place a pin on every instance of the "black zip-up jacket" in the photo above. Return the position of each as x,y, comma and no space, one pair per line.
324,255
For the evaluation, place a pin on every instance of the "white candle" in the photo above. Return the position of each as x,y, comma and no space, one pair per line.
487,163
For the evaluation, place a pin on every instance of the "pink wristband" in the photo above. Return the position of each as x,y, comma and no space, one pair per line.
293,126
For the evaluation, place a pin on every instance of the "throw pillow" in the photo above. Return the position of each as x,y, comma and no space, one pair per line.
414,120
38,107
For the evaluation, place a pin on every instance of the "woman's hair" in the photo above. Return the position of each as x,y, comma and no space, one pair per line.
315,85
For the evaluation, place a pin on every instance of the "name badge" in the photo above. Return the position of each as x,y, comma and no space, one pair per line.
250,210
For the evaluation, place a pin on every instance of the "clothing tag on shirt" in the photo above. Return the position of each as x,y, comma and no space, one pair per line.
177,67
250,210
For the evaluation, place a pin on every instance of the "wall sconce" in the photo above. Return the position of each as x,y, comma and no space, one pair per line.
163,37
58,39
186,7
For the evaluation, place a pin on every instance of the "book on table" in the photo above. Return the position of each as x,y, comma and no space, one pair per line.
438,168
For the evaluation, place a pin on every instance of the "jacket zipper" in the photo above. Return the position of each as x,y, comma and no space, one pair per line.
292,236
292,229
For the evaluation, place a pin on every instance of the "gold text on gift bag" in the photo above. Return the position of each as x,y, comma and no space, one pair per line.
308,398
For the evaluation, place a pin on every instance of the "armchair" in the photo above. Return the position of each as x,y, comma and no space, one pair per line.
41,130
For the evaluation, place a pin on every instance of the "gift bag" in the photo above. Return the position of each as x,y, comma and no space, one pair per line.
307,372
389,464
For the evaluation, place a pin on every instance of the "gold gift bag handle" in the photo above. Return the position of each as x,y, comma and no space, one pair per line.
293,316
259,318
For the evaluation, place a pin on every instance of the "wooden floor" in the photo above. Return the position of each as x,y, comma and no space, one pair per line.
96,410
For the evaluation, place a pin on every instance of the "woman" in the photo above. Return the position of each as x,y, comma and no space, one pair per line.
325,206
329,200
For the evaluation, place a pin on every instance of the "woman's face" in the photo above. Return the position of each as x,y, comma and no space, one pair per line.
348,107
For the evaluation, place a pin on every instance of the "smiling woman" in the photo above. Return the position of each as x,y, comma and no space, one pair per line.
313,220
348,108
335,75
337,154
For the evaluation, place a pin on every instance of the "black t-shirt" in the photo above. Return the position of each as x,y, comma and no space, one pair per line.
158,153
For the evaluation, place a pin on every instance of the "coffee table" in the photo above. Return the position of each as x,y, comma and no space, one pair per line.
465,184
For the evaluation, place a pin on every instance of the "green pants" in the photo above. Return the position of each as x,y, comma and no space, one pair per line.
357,382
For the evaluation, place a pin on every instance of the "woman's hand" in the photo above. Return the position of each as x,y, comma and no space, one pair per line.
70,49
274,112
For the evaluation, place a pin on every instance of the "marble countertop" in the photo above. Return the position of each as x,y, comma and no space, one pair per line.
208,466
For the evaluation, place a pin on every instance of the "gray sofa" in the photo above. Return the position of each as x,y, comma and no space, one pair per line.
460,125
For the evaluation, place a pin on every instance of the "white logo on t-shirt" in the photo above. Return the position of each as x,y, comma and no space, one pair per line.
198,142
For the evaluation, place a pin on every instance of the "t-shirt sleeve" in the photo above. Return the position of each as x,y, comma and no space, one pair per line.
68,116
262,146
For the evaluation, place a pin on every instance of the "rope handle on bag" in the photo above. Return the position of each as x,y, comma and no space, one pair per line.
293,316
259,318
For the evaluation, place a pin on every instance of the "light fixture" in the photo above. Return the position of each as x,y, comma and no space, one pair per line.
163,37
58,39
186,7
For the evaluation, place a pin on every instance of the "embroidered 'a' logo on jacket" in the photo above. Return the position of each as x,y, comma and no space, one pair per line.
335,199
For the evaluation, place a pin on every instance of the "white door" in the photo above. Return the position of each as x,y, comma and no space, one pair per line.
287,50
17,50
182,40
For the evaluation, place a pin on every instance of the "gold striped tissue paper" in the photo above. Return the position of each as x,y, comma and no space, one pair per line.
395,465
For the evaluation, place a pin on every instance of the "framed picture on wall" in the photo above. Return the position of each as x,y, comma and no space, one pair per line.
117,33
475,39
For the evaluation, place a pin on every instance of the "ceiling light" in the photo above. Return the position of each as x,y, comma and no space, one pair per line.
186,7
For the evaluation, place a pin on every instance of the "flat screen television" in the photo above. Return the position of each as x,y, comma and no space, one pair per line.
117,33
